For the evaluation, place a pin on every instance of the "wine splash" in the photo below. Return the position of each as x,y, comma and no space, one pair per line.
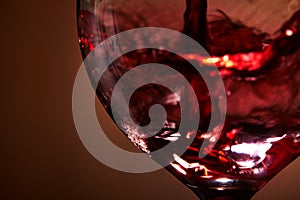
261,75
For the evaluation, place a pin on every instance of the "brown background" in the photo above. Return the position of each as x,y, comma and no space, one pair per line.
41,155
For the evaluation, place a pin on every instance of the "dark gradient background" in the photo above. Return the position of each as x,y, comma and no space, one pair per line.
41,156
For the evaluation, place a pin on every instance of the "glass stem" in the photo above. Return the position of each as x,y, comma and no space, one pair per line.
227,194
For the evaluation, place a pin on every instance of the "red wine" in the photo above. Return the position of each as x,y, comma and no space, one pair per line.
261,134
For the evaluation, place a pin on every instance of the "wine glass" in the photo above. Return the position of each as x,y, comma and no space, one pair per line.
255,54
